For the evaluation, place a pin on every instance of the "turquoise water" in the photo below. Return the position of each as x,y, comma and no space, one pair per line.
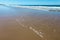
43,5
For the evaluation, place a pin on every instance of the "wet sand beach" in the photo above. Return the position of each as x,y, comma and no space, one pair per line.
28,24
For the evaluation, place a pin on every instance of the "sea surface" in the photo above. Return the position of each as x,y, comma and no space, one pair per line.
43,5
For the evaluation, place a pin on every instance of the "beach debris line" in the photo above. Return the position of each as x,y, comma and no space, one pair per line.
37,32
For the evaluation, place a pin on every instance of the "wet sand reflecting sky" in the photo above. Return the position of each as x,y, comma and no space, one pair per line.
28,24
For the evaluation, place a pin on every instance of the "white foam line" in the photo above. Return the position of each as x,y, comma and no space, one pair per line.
45,8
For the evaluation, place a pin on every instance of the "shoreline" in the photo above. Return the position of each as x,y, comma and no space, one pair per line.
45,8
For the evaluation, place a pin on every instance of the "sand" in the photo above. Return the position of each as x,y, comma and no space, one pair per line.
28,24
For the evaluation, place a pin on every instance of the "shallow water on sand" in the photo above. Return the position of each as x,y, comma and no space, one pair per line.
28,24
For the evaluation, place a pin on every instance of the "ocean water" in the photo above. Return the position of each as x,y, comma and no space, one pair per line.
43,5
